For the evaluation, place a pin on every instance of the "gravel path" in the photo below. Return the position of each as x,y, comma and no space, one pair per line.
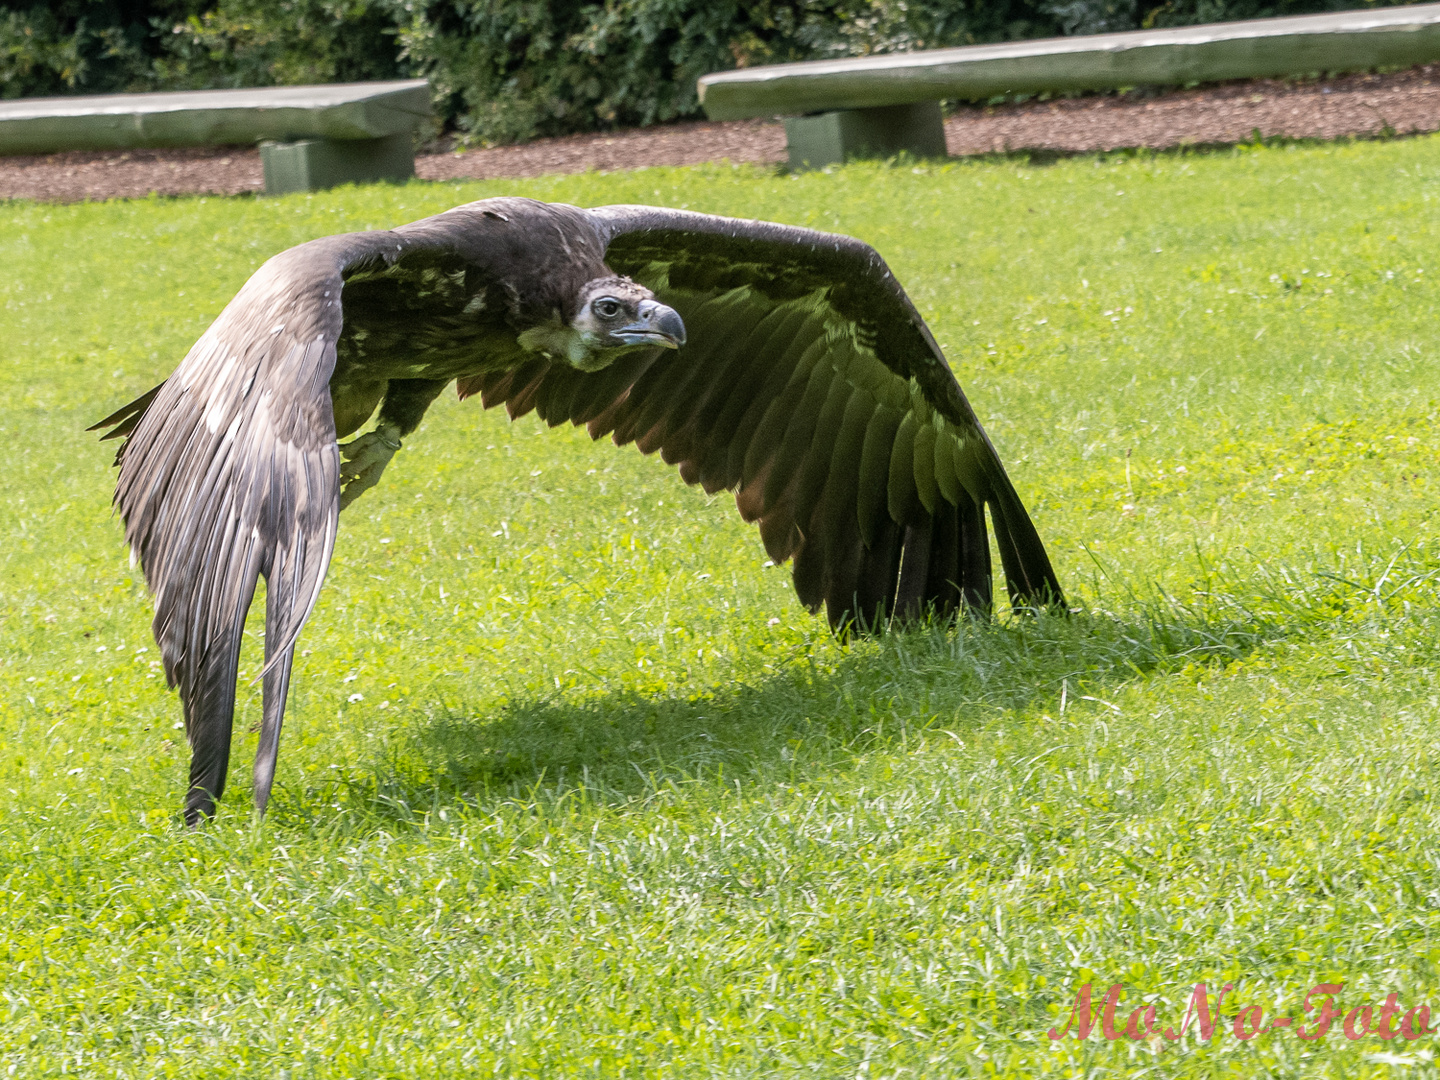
1363,105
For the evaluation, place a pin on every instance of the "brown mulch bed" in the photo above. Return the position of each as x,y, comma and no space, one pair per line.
1364,105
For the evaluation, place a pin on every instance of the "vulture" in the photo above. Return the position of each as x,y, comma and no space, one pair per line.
783,364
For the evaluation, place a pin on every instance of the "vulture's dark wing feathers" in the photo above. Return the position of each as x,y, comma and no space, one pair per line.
231,471
810,386
230,468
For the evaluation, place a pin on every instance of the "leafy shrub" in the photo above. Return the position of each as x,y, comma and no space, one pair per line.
1105,16
69,46
268,42
508,69
505,70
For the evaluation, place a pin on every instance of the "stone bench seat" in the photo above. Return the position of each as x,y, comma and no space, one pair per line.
310,137
881,105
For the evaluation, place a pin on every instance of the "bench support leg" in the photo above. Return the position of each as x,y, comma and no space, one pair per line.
833,137
315,164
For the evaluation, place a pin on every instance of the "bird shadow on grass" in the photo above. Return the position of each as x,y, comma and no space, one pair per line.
800,718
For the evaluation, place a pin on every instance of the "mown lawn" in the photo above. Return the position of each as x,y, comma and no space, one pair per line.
572,786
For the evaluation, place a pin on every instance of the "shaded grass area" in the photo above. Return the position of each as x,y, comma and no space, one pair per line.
571,786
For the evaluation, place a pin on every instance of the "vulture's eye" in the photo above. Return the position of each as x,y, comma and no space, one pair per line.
606,307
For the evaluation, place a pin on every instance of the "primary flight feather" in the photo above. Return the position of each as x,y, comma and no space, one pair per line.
781,363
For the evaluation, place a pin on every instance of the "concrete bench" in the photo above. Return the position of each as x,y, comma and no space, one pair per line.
310,137
880,105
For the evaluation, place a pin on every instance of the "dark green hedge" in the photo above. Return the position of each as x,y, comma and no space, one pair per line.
505,70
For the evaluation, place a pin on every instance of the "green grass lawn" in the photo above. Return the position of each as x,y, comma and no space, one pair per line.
572,786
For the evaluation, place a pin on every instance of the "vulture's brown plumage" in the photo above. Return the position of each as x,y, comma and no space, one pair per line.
784,364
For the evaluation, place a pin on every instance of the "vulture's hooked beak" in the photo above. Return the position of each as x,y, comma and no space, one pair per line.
655,324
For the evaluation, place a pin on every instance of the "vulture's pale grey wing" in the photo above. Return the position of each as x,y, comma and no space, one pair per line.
809,385
230,471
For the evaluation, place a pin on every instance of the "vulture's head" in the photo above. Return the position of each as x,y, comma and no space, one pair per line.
612,316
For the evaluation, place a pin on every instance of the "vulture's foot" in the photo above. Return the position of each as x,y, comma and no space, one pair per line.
364,459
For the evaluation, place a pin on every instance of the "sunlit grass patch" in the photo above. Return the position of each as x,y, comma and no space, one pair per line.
571,785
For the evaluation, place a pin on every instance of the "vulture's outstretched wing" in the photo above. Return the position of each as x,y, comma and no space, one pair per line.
231,471
810,386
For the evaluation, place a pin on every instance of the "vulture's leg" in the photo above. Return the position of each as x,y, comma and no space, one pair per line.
365,458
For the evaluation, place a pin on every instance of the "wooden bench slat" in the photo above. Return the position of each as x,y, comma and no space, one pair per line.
341,111
1256,48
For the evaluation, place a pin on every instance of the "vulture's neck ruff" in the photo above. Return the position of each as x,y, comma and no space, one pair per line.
613,315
